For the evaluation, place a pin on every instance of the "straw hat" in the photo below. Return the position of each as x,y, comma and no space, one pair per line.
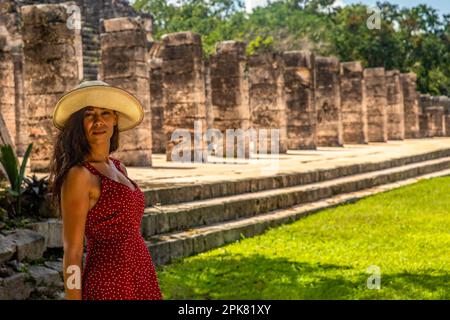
99,94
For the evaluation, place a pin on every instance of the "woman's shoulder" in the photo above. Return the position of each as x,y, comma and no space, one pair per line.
77,174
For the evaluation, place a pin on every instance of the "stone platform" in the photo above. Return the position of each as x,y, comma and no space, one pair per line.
193,207
172,174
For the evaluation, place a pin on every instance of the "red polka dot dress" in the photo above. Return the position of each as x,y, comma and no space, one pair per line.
118,264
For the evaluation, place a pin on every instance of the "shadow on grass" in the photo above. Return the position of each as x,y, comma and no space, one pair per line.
259,277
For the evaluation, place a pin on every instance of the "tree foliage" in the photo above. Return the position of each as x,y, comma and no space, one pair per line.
409,39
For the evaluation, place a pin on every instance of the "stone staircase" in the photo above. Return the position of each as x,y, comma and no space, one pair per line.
190,214
91,50
191,219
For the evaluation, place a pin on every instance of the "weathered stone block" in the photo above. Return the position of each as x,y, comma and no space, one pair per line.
51,230
127,69
268,111
411,105
229,89
7,248
15,287
29,244
395,106
185,48
376,93
43,276
328,102
300,106
52,65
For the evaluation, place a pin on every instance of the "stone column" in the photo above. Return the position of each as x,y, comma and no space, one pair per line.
157,106
11,24
208,98
229,97
4,139
375,79
52,66
267,98
445,102
328,102
395,111
411,105
156,95
124,65
184,93
436,112
424,117
7,92
22,132
353,103
5,99
300,107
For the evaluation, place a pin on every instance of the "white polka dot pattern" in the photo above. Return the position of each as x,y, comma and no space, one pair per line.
118,264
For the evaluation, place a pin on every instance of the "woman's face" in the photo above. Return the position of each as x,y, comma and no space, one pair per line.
99,124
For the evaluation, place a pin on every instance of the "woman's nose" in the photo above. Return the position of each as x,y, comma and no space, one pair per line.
98,123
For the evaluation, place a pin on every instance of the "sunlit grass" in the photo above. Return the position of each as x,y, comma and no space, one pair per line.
405,232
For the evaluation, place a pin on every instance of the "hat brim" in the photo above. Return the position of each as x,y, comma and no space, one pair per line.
109,97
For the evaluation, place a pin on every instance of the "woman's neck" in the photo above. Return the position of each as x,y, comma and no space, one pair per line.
98,159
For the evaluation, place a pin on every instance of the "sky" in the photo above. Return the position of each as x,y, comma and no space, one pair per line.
443,6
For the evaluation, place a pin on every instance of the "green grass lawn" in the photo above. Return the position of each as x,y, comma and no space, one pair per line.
405,232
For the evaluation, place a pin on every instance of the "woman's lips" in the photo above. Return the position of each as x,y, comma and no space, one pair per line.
101,132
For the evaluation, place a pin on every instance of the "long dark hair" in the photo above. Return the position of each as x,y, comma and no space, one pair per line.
70,148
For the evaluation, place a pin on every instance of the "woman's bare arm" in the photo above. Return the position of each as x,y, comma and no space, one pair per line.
74,208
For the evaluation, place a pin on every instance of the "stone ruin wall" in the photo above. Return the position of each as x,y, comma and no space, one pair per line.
45,82
48,59
313,101
124,64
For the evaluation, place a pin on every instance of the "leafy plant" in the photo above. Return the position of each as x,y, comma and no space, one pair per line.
260,45
15,176
34,194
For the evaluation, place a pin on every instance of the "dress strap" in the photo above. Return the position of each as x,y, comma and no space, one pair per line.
117,164
91,168
94,171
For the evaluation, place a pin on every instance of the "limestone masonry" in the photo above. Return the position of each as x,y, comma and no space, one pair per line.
309,101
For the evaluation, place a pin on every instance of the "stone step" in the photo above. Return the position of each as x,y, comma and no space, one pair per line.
88,29
21,244
183,216
90,38
91,47
91,53
95,59
157,223
157,195
91,60
90,67
168,247
90,70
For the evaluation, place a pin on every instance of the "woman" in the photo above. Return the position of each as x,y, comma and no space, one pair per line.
96,198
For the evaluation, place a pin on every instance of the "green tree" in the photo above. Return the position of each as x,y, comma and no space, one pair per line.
409,39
